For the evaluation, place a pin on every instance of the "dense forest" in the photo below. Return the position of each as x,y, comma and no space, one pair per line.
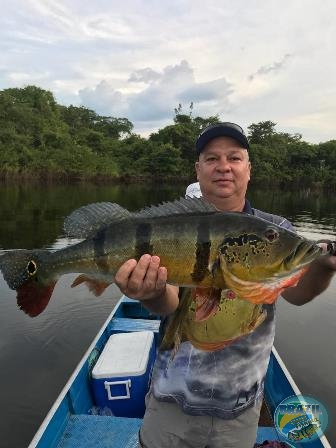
40,139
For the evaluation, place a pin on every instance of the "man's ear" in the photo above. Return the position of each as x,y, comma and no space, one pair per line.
197,169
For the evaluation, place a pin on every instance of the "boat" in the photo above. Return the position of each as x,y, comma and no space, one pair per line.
73,420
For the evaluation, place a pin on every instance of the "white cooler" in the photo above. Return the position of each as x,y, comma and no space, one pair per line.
122,373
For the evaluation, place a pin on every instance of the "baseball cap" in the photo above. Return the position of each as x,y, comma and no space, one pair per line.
226,129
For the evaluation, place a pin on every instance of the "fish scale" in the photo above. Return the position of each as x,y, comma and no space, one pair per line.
200,246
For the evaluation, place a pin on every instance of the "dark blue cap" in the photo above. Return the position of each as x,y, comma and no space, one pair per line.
221,130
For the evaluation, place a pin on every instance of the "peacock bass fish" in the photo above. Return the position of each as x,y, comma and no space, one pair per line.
221,256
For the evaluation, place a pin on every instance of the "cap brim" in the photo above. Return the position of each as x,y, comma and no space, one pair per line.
221,131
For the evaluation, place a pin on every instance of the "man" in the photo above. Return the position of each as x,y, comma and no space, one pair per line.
204,398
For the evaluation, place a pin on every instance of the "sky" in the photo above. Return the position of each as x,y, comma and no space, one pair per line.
245,61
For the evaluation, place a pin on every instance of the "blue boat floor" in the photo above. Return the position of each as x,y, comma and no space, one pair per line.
267,433
92,431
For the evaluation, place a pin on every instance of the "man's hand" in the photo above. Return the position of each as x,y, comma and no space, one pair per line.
146,280
142,280
327,262
315,280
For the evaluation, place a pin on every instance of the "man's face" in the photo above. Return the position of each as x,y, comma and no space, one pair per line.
223,170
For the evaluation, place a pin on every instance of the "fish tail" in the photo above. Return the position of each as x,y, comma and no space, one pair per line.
33,298
23,270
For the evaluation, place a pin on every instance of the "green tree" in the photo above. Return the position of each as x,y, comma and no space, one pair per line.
183,135
259,133
40,138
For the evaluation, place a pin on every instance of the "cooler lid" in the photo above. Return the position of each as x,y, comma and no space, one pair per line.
125,354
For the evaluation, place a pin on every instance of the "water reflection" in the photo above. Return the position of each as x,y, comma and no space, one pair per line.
63,242
32,216
42,352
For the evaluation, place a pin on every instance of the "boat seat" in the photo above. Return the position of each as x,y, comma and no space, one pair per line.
88,431
124,324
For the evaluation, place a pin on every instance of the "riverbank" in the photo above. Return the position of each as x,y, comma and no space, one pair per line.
43,351
45,141
53,179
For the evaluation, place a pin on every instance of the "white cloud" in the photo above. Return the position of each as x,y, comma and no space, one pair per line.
159,94
270,68
144,75
244,61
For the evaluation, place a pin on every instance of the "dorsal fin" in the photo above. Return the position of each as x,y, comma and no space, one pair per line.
182,206
86,221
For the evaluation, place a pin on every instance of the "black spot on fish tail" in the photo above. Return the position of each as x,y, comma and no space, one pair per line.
99,252
143,240
202,253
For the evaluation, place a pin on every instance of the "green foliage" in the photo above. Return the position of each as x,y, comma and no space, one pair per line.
183,135
42,139
261,132
279,158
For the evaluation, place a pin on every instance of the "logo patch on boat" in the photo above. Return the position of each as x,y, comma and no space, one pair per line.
301,418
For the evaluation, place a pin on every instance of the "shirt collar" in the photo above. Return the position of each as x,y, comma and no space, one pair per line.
247,207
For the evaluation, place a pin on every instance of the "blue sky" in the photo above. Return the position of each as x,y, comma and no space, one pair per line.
246,61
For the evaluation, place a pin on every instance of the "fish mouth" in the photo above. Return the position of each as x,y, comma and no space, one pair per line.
304,253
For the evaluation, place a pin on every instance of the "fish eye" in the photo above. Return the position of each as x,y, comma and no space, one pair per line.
31,267
271,235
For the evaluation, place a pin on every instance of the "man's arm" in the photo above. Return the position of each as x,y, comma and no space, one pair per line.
146,281
315,280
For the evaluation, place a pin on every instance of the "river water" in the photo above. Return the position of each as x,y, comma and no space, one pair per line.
38,354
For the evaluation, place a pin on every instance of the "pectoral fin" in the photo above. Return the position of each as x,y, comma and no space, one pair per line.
207,302
97,287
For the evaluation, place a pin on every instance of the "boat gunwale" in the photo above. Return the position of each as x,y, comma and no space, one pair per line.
62,395
323,439
38,435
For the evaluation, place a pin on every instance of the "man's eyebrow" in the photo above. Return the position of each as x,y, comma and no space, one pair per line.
236,151
210,152
230,151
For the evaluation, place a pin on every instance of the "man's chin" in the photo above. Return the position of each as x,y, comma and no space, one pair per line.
224,192
221,194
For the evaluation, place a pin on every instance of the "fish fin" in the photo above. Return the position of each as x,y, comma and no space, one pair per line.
207,302
33,297
86,221
258,319
259,293
173,330
97,287
182,206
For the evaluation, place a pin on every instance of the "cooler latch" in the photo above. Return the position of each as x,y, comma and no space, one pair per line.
109,384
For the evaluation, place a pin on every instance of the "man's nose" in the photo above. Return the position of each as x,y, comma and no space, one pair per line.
223,164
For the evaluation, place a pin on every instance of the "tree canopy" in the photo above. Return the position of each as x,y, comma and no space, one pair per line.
42,139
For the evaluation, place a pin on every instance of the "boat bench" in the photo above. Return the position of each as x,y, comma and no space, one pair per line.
125,324
93,431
